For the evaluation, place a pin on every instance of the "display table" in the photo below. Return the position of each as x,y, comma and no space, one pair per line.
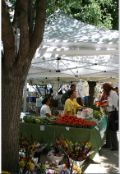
49,133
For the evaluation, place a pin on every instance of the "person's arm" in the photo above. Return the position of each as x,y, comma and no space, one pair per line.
48,111
67,108
48,115
77,104
67,112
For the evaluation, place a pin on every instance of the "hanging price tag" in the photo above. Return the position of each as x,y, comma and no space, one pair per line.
67,128
42,128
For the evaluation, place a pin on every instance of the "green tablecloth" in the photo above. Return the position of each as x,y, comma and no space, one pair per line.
51,132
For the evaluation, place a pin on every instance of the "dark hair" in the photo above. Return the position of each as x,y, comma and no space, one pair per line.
45,100
107,87
70,92
73,86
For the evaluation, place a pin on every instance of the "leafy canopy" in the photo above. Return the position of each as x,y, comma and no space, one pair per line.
102,13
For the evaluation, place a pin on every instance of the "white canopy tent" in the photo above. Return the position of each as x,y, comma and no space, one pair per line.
74,50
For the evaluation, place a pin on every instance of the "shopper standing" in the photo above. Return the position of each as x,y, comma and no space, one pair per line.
112,116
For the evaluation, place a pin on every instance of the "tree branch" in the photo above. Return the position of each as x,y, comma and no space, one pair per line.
26,51
37,35
15,19
30,17
22,23
7,37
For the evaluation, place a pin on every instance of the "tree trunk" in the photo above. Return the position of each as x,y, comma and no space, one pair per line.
92,85
15,66
11,106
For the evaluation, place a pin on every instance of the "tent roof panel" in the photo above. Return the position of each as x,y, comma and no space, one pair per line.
83,50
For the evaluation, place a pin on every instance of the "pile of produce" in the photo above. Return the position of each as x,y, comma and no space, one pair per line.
38,119
74,121
101,103
97,114
63,120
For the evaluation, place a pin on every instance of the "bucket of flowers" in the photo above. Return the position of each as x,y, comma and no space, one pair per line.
29,157
76,152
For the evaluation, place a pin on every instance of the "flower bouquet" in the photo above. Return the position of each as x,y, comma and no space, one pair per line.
29,157
76,152
55,157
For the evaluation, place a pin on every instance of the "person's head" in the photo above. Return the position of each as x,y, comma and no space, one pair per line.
73,87
72,94
107,87
46,101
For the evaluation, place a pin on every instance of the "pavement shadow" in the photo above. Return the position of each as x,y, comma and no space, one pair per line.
109,159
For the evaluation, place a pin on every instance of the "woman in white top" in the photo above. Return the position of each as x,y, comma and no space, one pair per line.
45,109
112,121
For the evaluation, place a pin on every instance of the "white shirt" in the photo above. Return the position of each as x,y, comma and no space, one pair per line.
79,89
82,88
85,88
45,109
112,101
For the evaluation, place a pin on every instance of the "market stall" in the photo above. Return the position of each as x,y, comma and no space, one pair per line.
49,133
78,137
65,55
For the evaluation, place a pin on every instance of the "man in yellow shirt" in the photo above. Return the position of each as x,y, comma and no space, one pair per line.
71,105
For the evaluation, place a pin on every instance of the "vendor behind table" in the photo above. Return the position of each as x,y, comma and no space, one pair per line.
71,106
45,109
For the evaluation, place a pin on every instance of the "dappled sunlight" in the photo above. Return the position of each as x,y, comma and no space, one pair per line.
83,50
107,163
70,29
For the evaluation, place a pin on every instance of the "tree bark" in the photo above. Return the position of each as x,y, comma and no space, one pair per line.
92,85
15,67
11,105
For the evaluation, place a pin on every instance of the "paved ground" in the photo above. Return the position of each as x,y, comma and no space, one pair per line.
108,162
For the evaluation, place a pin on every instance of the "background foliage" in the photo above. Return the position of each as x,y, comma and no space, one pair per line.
102,13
